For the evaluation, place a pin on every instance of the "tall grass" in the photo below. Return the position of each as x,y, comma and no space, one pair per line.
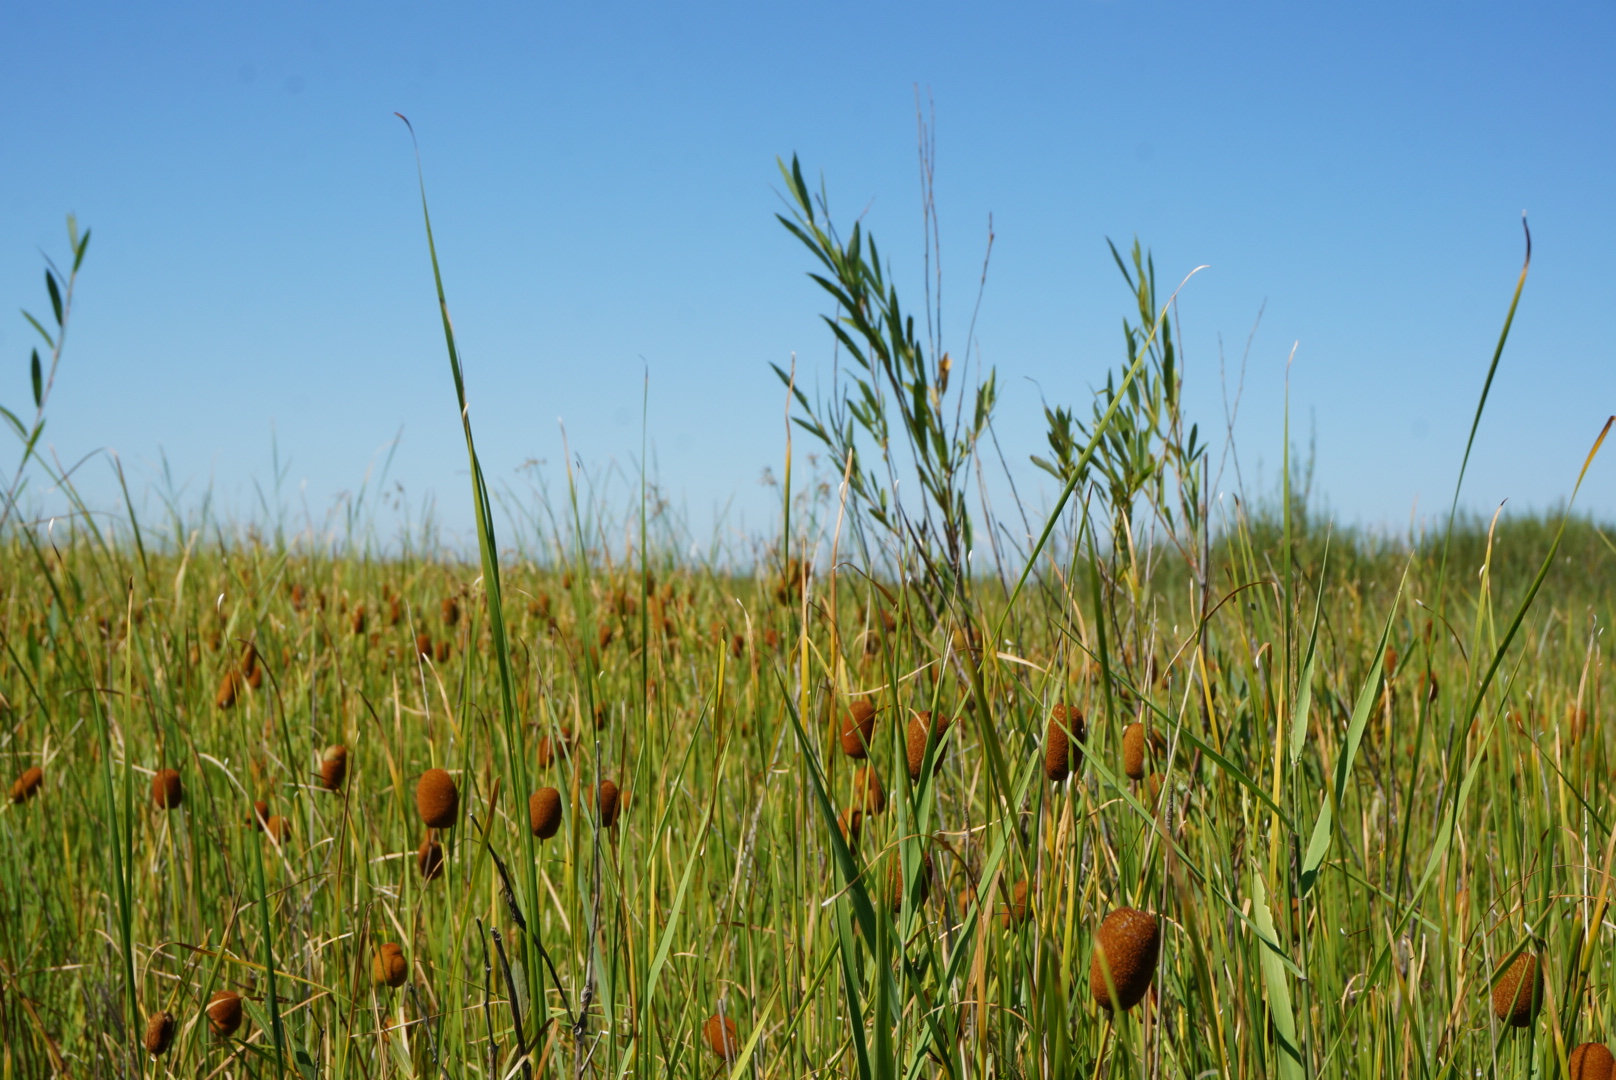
1367,804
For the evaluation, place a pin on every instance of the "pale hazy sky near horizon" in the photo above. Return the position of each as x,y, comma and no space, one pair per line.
603,188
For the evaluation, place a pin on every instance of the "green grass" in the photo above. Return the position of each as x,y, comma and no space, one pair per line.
720,885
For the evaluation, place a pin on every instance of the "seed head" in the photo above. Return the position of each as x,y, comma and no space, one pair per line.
437,798
224,1013
334,767
719,1032
429,858
159,1033
423,644
850,822
551,748
260,814
451,610
922,886
858,728
28,784
868,794
229,689
166,790
1062,754
1592,1061
359,620
278,829
1125,948
544,812
921,727
606,801
1017,910
1519,993
389,968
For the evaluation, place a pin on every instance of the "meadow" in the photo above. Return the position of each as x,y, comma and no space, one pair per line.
1139,785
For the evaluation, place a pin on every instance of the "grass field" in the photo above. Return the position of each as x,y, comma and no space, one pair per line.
1370,796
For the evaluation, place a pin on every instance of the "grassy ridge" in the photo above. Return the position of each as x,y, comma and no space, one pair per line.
718,888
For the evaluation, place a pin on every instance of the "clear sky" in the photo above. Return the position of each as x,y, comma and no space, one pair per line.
603,186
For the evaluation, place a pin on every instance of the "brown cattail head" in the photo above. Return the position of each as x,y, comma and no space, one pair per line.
260,813
278,828
437,798
1125,949
250,668
224,1013
1017,910
606,801
166,790
1519,993
604,635
334,767
1429,687
429,858
299,597
922,884
858,728
867,792
159,1033
423,644
395,611
544,812
442,651
552,747
389,968
28,784
229,689
1133,751
1592,1061
721,1038
359,620
1391,662
921,727
1062,753
451,610
851,823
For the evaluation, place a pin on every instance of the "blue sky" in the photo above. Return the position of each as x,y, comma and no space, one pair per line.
603,187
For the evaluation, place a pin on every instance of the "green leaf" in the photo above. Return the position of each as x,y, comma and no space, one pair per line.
1273,972
50,342
78,253
55,295
37,376
1319,845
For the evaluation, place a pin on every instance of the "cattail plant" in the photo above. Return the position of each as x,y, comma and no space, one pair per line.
166,790
850,823
1518,993
1017,911
388,967
1063,752
606,802
1125,951
868,795
1139,748
159,1033
923,727
277,828
224,1013
922,882
544,812
334,767
27,785
357,620
260,814
423,645
858,728
720,1035
552,747
437,799
1592,1061
229,690
429,858
451,610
